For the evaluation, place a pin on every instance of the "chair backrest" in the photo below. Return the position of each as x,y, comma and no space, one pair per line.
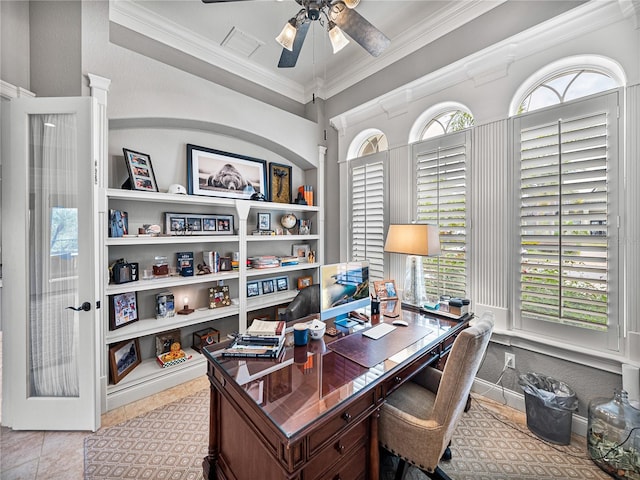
306,302
459,372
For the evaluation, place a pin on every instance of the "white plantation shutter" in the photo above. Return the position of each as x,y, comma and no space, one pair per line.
441,199
367,212
567,211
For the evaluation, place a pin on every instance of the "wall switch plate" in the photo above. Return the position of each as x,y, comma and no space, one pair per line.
509,360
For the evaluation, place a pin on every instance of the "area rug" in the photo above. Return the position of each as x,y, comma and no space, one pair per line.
171,442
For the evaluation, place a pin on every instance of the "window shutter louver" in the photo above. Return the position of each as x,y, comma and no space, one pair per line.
564,222
441,200
367,216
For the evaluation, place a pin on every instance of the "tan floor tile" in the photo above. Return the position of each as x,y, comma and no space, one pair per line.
19,447
67,463
114,417
26,471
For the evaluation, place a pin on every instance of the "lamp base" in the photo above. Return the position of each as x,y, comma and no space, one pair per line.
185,311
414,291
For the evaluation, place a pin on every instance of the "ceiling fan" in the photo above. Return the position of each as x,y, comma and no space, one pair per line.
338,16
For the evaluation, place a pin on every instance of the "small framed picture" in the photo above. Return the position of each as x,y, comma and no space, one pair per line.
304,282
225,225
385,289
194,224
123,310
264,221
301,251
141,176
268,286
225,264
253,289
282,284
123,358
280,183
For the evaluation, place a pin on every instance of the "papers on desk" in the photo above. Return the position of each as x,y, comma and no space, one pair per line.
378,331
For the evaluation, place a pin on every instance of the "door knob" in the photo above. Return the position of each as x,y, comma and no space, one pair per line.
85,307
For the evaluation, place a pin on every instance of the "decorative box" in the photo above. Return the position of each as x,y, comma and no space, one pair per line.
202,338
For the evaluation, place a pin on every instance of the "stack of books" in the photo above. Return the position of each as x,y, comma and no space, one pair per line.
285,261
265,261
263,339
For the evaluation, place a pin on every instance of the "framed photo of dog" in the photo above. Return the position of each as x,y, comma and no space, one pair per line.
215,173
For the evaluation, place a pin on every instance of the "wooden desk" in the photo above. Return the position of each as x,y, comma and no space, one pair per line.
312,414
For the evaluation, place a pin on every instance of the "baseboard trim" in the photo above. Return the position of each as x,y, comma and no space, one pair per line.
515,400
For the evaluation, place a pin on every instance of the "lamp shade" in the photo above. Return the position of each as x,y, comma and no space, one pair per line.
288,35
413,239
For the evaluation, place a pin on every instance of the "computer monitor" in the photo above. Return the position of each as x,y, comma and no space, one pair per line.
343,287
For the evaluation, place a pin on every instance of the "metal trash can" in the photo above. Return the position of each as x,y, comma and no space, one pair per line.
549,405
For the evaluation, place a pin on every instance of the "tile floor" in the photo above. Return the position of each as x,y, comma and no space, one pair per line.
34,455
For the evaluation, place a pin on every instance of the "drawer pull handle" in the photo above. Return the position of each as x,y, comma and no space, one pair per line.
398,379
340,448
346,416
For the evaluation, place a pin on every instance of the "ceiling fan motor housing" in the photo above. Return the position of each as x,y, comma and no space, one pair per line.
313,10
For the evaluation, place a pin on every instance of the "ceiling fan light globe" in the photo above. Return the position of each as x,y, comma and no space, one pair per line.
287,36
351,3
338,39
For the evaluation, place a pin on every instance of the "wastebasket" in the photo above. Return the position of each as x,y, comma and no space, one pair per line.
549,405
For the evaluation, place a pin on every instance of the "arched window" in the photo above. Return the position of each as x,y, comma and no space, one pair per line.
447,122
367,142
443,118
567,79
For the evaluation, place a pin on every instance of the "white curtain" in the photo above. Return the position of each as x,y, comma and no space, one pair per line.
53,329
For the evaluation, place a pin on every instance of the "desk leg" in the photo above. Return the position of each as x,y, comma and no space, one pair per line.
209,462
374,449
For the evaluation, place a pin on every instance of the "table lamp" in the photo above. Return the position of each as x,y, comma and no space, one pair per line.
414,240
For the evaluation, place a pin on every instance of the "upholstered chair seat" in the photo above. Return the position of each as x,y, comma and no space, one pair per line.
418,420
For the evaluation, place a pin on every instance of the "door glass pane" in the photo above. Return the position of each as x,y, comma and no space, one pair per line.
53,253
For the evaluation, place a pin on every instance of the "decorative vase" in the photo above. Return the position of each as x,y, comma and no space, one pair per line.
613,436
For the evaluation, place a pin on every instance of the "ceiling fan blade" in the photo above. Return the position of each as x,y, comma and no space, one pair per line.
288,58
358,28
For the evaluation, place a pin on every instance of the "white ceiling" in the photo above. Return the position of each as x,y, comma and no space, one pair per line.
240,36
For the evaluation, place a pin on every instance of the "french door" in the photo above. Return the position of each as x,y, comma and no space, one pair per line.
49,297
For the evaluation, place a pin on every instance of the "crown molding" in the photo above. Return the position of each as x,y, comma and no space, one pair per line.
145,22
631,9
491,62
446,20
8,90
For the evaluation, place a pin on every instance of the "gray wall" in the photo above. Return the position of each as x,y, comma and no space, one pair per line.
14,43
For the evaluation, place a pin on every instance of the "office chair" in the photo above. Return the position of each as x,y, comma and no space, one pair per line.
306,302
417,421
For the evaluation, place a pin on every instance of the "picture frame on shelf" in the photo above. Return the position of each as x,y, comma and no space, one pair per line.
385,289
118,223
264,221
280,183
253,289
141,176
197,224
123,358
164,340
219,296
282,284
215,173
301,251
123,310
268,286
305,281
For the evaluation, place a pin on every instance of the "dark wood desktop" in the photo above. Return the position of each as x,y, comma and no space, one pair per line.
313,413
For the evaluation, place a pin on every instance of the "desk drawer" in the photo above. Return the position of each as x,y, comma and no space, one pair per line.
340,421
340,450
352,467
401,376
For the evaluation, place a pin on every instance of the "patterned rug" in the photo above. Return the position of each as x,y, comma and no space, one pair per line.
170,443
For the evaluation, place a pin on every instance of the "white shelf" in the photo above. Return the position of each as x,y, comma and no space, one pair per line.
270,299
169,240
289,238
150,326
166,282
158,197
255,272
150,369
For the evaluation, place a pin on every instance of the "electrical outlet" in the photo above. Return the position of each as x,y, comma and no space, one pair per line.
509,360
